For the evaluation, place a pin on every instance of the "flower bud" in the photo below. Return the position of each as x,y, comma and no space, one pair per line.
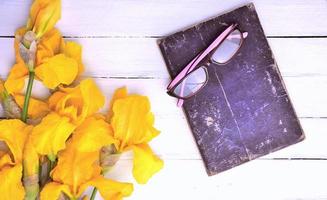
10,108
108,157
27,48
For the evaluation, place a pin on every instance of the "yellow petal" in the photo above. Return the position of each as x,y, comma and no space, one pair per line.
52,191
49,46
30,170
14,133
145,163
2,87
93,99
111,190
77,102
31,159
74,50
5,159
132,121
119,94
58,69
93,134
50,135
11,186
54,100
75,168
36,108
16,79
44,14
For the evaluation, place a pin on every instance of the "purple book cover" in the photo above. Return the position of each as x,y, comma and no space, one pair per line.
244,111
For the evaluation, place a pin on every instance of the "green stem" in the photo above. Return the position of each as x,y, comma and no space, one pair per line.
94,192
28,95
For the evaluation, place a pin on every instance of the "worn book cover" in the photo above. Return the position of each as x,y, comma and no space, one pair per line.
244,111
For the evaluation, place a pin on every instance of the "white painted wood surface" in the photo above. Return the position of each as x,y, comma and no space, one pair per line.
119,41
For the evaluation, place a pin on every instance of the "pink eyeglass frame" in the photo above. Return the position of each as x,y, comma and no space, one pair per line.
190,67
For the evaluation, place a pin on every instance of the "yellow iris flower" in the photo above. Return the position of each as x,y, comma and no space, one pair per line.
132,124
13,134
56,62
69,108
44,14
77,170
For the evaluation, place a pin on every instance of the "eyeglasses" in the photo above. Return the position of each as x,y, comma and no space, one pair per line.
195,75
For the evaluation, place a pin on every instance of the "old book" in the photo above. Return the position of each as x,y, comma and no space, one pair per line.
244,111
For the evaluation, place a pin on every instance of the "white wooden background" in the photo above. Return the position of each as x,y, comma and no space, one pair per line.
119,48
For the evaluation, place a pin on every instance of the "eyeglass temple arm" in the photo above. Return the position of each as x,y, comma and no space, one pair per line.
244,34
183,73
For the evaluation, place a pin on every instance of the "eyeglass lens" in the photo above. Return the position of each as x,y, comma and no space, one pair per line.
191,83
228,47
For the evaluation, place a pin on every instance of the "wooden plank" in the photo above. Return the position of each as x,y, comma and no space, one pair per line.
161,17
257,180
176,140
140,57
